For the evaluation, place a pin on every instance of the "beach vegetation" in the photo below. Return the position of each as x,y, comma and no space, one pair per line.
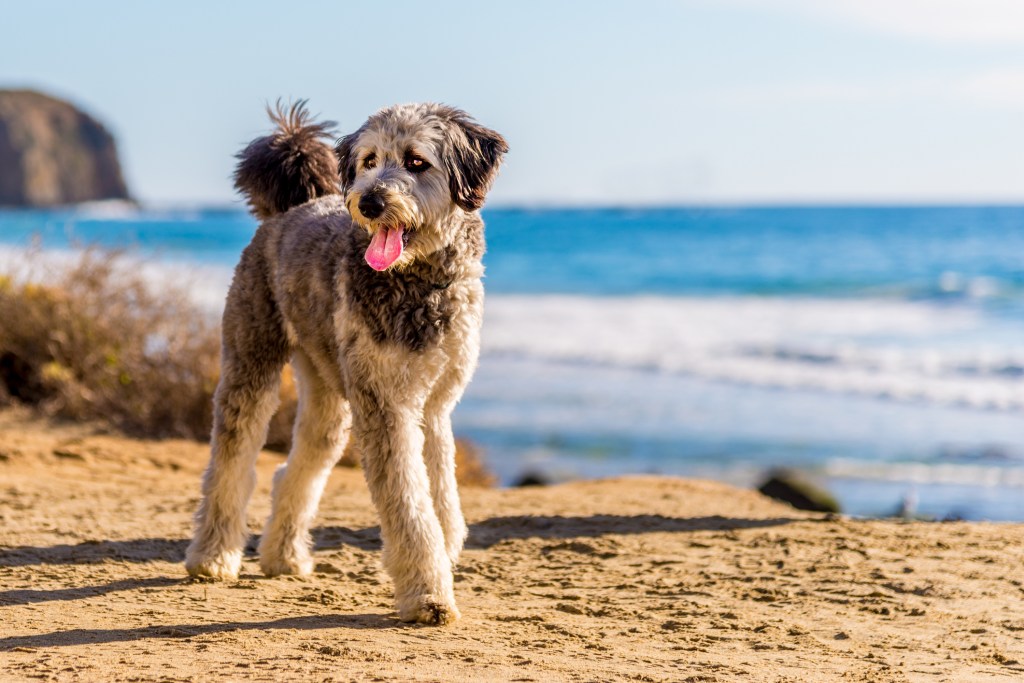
92,338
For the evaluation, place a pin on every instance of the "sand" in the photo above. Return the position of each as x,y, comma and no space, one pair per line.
633,579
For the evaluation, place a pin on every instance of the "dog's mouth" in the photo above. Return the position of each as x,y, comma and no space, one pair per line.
386,246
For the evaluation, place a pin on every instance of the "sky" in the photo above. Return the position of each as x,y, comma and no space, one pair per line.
644,102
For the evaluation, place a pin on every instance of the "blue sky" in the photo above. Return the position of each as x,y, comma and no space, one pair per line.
641,102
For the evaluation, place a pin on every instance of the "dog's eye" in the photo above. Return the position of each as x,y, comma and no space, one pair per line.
370,161
415,164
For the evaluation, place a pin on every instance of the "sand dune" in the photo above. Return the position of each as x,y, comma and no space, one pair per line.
643,579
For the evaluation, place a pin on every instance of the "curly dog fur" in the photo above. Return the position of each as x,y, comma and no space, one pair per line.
366,274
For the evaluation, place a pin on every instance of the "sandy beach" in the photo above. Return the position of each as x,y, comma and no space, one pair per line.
637,579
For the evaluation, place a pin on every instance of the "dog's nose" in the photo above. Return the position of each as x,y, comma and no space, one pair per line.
371,205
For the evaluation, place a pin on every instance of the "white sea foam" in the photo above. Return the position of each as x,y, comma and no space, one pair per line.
911,351
107,210
954,474
900,350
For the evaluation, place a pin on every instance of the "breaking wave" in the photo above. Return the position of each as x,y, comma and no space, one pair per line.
900,350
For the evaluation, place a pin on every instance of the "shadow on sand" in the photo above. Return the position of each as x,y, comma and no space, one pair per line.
482,534
490,531
29,596
92,636
95,552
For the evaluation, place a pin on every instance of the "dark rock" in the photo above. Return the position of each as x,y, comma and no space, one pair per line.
51,153
533,479
793,488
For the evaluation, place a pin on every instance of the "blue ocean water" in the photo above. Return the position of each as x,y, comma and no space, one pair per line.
880,349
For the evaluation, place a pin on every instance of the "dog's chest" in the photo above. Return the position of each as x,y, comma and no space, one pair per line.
401,309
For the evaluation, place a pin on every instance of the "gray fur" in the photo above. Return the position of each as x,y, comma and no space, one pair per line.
388,352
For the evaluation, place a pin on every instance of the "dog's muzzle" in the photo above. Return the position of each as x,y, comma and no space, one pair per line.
371,205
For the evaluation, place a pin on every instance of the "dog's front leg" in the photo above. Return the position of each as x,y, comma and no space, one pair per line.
439,453
439,449
391,444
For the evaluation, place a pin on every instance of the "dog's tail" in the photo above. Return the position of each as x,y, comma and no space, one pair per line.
291,166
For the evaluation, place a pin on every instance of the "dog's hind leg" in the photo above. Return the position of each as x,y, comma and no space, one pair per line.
243,405
390,440
253,352
321,430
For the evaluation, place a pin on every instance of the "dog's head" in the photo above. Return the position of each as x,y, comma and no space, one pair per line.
409,170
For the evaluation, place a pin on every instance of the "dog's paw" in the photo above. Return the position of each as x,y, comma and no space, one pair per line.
224,565
280,555
278,564
428,609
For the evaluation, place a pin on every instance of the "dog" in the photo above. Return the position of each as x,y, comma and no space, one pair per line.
365,273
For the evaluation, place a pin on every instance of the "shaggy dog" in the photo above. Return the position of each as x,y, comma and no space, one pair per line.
372,290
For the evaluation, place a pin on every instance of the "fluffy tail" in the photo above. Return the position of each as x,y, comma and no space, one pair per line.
290,166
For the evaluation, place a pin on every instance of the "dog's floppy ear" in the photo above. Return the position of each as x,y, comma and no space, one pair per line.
346,159
472,156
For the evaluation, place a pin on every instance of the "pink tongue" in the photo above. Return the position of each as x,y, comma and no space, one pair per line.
385,247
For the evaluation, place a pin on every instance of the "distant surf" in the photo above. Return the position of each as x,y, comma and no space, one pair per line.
881,348
898,350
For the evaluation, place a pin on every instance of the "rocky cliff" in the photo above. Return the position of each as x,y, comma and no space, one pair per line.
51,153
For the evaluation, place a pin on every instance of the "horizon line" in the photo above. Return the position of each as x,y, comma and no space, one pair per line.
738,204
545,205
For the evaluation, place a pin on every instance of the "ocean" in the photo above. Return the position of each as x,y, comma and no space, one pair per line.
879,349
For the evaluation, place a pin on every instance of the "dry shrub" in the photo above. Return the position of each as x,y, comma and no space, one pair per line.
470,467
94,340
